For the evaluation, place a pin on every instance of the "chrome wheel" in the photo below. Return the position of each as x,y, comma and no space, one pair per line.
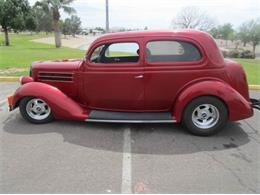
205,116
38,109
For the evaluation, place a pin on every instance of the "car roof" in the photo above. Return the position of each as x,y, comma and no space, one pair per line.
205,40
151,33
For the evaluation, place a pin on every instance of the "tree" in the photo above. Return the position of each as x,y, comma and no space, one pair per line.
226,31
66,27
254,32
30,21
250,32
43,19
243,33
193,17
13,15
215,32
100,29
75,25
55,6
71,26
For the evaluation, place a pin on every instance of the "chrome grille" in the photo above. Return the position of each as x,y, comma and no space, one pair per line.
55,76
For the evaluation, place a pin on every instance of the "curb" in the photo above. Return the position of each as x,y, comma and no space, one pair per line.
9,78
251,87
254,87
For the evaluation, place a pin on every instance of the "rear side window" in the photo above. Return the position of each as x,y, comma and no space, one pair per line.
171,51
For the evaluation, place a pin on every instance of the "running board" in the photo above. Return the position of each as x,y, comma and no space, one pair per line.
130,117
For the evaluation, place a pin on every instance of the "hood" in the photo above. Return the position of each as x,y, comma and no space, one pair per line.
68,65
58,73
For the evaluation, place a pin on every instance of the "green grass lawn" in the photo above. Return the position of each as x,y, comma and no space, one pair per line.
15,59
22,51
252,68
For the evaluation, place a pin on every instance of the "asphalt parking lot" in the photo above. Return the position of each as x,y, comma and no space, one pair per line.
78,157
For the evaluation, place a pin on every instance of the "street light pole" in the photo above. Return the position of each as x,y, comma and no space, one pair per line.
107,17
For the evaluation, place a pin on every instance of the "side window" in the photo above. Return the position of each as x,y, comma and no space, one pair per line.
171,51
95,55
122,50
116,53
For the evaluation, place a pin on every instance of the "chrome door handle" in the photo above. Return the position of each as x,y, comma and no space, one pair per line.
139,76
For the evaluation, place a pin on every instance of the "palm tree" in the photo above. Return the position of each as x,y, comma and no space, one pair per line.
55,6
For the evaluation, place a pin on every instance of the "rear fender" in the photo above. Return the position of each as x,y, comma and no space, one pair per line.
238,107
63,107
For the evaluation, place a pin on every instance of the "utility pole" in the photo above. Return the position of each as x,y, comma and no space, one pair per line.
107,17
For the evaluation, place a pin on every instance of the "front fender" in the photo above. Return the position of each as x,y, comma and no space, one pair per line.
238,107
63,107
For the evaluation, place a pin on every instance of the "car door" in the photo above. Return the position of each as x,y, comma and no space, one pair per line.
113,79
170,63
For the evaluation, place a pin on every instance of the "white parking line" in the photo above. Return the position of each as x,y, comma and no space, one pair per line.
126,187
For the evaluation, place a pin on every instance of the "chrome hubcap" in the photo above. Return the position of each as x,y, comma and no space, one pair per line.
205,116
38,109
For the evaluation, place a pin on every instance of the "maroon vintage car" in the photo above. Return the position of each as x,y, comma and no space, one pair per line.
146,77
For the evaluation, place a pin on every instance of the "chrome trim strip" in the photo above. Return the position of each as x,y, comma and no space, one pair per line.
55,81
130,121
46,72
55,76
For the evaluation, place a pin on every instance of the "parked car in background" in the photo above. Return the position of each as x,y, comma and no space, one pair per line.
140,77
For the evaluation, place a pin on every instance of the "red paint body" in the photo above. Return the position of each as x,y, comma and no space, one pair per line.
77,86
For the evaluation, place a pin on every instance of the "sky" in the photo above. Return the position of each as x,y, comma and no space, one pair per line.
158,14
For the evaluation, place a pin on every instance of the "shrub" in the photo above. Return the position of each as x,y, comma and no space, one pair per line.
239,54
233,53
247,54
225,53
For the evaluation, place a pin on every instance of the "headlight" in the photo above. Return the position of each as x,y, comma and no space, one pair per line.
26,79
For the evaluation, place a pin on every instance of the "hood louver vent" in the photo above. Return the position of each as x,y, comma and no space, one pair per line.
55,76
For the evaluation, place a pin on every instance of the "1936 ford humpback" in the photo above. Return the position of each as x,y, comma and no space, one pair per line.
146,77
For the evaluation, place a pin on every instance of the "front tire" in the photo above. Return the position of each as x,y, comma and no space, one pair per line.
205,116
35,110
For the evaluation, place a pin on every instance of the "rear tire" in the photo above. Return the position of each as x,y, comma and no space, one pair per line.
35,110
205,116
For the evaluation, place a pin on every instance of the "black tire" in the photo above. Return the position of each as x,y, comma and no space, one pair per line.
190,111
22,107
